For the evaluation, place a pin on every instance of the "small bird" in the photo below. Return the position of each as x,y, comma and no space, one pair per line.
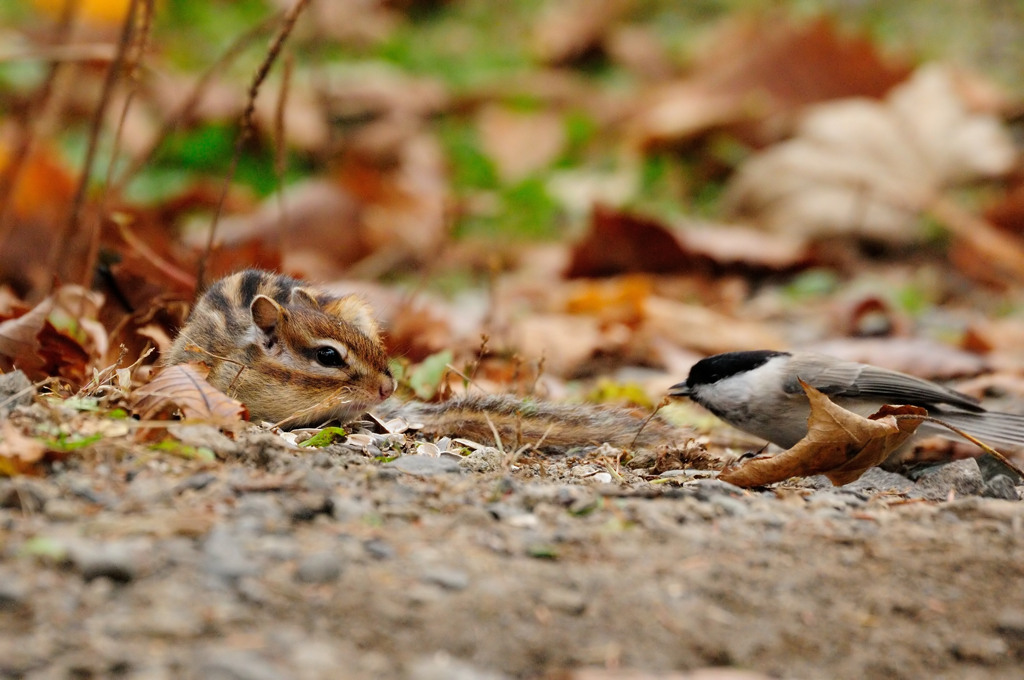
759,392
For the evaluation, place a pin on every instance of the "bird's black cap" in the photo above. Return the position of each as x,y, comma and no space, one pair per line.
715,368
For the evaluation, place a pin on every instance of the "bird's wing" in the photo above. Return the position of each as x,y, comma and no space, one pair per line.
849,379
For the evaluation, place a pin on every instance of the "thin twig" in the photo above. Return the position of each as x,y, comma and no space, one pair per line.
61,245
280,148
131,67
246,125
664,402
185,111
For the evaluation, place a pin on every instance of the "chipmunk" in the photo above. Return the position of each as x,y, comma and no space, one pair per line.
301,357
292,354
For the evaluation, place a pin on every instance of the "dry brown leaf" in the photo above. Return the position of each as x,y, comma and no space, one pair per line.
866,168
35,343
571,29
620,299
618,242
19,454
726,244
705,330
520,143
760,68
184,387
839,444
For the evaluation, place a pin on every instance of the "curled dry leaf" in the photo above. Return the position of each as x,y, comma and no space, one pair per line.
183,387
839,444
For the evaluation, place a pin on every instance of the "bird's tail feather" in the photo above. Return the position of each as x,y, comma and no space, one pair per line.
991,427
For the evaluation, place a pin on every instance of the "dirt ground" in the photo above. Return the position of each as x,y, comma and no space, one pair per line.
277,562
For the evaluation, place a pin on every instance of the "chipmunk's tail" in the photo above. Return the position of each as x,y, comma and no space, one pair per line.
550,426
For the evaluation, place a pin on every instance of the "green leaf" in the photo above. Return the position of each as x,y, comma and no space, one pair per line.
325,437
44,547
65,442
176,448
425,378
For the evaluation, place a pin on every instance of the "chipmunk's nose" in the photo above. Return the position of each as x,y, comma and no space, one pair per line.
387,388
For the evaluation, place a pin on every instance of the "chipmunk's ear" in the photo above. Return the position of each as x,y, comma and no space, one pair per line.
304,296
356,312
265,313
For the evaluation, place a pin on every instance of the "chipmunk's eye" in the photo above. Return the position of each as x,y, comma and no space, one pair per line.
329,356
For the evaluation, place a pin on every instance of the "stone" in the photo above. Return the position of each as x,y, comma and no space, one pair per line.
961,478
15,390
321,567
424,466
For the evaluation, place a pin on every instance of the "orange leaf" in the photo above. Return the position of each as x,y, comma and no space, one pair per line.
839,444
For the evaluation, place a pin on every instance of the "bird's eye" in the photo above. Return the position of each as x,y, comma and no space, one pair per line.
329,356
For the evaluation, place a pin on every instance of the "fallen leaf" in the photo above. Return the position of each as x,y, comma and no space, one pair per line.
183,387
839,444
705,330
758,69
866,168
19,454
56,337
617,300
571,29
520,143
619,242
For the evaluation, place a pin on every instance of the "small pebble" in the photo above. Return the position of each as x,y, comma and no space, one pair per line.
234,664
321,567
424,465
115,560
195,482
62,510
224,555
564,600
441,666
448,578
1002,487
961,478
379,549
486,459
11,384
585,470
13,592
978,648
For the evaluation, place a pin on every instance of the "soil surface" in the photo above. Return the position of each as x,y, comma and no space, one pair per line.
280,562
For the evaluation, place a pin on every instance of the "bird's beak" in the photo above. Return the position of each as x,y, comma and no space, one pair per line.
679,390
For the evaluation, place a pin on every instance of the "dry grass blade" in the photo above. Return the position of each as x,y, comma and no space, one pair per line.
246,124
184,388
99,115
